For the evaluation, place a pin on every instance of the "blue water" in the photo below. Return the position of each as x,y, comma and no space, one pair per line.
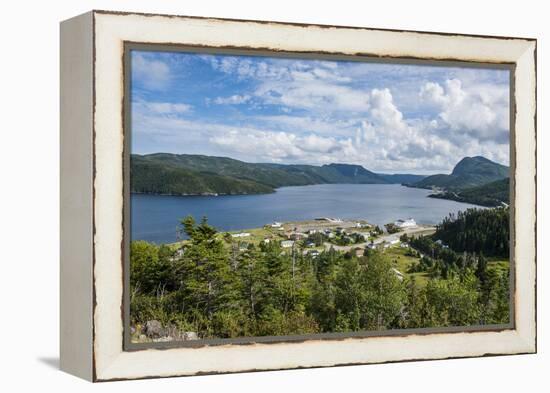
155,217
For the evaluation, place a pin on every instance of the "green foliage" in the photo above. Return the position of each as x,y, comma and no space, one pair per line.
150,177
491,194
452,302
391,228
151,269
205,287
317,238
484,231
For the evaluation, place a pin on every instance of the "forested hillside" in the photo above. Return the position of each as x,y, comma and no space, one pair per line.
491,194
484,231
181,174
469,172
153,178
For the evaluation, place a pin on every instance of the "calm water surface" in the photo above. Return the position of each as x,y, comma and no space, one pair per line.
155,217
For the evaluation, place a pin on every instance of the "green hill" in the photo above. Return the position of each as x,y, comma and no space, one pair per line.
185,174
469,172
155,178
262,173
490,194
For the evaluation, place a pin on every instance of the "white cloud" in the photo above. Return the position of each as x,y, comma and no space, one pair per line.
314,95
296,84
235,99
161,108
321,125
277,146
482,111
153,74
384,112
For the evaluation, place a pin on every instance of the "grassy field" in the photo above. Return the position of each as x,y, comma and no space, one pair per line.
402,262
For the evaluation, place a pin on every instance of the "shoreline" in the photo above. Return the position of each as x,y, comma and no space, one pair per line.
275,189
300,230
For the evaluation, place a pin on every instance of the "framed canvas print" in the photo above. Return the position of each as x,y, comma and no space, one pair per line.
246,195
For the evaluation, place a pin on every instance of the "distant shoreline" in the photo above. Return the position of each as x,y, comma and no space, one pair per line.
266,193
200,194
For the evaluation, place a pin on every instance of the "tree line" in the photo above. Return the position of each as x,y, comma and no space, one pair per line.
484,231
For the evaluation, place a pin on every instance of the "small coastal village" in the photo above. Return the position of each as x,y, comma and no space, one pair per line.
323,233
348,236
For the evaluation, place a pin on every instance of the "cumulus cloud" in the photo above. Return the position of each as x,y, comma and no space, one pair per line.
278,146
482,111
384,112
151,73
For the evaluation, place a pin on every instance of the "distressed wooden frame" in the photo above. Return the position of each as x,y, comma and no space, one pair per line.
92,195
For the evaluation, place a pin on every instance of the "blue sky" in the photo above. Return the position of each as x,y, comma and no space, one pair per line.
387,117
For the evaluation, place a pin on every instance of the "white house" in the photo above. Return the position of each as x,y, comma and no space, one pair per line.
276,225
394,241
242,234
287,243
398,274
362,235
409,223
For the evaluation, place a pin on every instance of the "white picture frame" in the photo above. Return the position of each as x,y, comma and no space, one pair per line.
92,194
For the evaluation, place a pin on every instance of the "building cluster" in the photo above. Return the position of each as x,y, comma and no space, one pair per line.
333,230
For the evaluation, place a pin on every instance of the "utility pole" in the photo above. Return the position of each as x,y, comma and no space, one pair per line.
293,267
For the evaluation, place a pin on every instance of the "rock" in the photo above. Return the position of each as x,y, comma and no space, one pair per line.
190,336
163,339
153,329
